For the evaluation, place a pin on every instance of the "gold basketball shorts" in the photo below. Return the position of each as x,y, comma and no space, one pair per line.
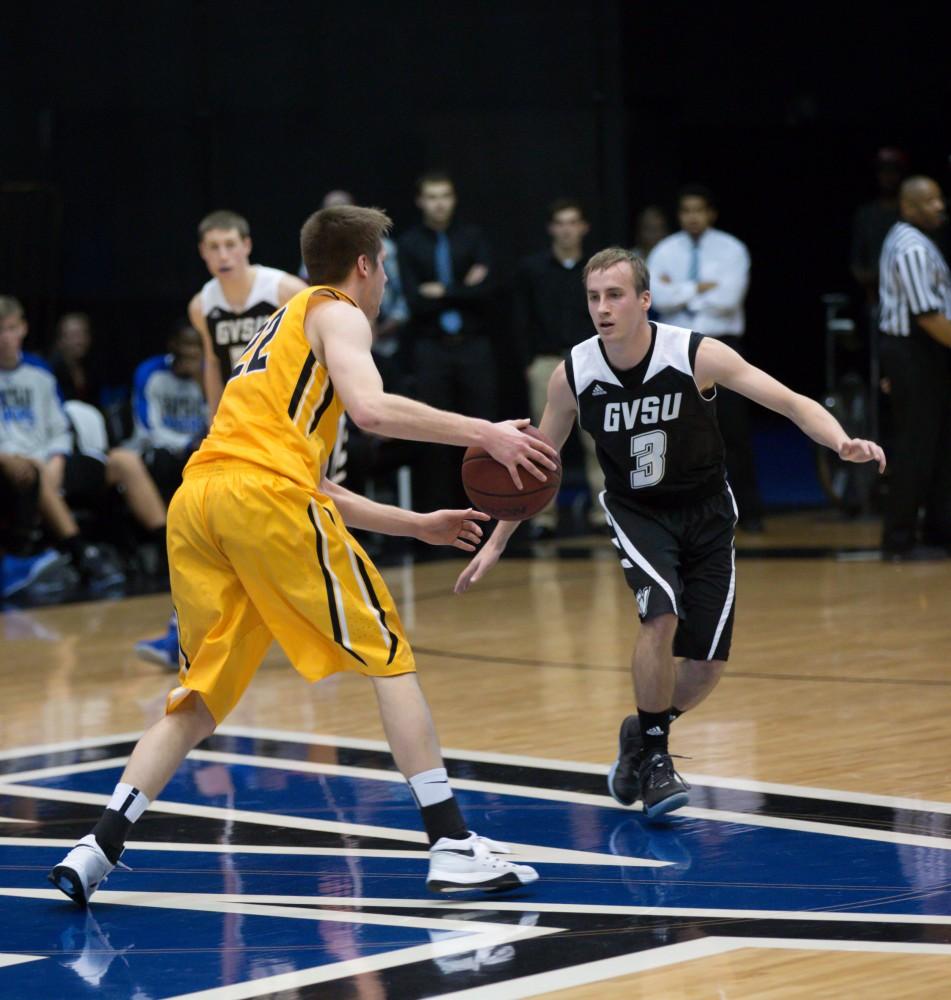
254,557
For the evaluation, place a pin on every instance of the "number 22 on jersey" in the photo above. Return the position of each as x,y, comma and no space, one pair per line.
255,356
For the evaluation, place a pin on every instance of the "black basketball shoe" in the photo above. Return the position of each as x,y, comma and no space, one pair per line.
624,781
662,788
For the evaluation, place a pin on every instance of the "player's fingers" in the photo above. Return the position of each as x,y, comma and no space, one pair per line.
521,422
530,466
459,543
513,472
550,452
476,515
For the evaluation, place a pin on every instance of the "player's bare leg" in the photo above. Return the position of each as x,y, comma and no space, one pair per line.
165,745
695,680
643,768
458,858
652,664
408,724
154,760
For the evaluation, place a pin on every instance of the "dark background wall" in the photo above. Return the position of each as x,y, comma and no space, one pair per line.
123,124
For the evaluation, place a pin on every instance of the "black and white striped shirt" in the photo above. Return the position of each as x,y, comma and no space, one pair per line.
913,278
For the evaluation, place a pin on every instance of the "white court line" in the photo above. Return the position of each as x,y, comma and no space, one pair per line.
589,972
554,764
610,968
523,906
243,906
38,749
533,852
469,939
527,853
63,770
547,795
488,757
7,960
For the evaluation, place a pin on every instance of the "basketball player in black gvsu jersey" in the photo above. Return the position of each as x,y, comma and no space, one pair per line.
228,312
645,392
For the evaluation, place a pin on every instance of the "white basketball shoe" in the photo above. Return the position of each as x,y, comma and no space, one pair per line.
473,863
83,870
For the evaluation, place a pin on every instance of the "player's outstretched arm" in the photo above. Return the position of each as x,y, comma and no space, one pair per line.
340,337
718,364
556,422
458,528
210,369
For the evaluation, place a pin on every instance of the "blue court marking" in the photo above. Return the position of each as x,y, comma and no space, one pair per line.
128,951
713,864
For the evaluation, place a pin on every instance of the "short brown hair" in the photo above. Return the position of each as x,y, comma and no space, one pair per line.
332,240
9,306
433,176
223,219
604,259
562,205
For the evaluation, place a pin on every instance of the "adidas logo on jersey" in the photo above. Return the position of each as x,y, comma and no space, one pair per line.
598,391
643,596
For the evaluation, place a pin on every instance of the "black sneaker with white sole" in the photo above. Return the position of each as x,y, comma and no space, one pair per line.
624,782
662,788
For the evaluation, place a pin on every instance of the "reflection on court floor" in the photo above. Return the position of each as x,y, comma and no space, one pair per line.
284,862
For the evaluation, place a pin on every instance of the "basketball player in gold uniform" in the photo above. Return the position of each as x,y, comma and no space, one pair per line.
259,549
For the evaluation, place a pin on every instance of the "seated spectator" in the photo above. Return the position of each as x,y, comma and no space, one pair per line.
76,377
35,435
169,409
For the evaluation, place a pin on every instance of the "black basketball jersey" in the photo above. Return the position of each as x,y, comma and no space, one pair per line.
656,435
231,331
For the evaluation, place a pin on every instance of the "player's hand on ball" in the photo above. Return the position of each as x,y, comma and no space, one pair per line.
478,566
458,528
859,450
506,443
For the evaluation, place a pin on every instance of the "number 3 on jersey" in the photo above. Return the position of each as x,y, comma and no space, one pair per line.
254,358
648,451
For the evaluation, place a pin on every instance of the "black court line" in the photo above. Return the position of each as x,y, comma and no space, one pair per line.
585,938
624,668
781,805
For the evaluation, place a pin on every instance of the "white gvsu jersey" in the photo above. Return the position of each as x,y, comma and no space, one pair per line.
656,436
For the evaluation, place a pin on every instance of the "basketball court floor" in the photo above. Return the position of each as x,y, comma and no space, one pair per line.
285,859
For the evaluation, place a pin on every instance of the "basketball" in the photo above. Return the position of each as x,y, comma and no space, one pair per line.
490,488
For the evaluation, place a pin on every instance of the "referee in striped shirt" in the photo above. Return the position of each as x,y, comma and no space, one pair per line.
915,319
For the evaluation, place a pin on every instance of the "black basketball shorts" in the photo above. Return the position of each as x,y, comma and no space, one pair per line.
681,561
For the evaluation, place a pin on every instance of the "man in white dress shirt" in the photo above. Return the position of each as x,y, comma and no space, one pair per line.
700,278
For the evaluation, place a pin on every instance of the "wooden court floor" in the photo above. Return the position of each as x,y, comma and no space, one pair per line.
839,678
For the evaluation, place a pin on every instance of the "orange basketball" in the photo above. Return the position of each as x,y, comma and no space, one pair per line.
490,488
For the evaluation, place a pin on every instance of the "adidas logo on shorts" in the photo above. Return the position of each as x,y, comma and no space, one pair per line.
643,596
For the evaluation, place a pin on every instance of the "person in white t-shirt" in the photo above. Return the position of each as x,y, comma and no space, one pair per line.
700,277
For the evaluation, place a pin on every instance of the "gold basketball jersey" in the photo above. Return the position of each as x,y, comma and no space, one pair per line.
279,410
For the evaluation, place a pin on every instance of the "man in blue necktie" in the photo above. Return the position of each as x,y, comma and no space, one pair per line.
445,266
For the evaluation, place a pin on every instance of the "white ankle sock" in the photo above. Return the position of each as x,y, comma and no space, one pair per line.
128,802
431,787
